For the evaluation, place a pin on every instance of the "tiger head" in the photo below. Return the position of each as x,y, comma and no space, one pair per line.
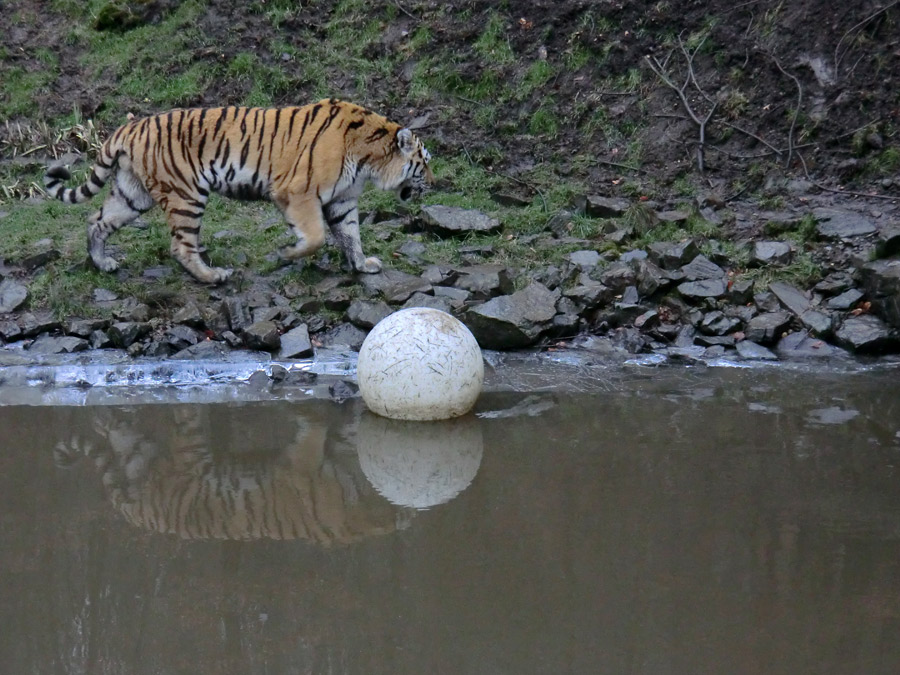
409,173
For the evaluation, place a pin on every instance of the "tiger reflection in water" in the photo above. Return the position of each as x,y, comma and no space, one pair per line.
187,471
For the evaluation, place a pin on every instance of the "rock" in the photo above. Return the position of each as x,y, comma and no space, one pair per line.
10,331
605,207
412,249
12,295
836,282
295,344
39,322
440,275
453,221
716,323
36,260
336,300
132,310
842,223
881,281
590,294
237,313
672,255
211,350
343,335
771,253
509,199
584,259
649,277
341,390
189,315
443,304
262,335
866,334
630,296
475,252
766,302
767,328
800,345
705,288
485,281
394,286
104,295
702,268
82,327
100,340
633,256
715,340
618,277
741,292
58,345
513,321
647,321
752,351
888,242
845,300
180,337
366,314
457,297
126,333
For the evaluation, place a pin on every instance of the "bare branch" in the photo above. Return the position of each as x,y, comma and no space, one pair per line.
837,57
790,148
842,192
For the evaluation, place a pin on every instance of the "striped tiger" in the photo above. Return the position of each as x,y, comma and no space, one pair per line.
311,161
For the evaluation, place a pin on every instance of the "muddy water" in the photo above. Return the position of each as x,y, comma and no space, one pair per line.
670,522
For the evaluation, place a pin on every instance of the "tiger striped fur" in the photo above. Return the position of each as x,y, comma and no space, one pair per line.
311,161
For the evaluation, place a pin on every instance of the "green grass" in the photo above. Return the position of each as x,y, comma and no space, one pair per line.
493,45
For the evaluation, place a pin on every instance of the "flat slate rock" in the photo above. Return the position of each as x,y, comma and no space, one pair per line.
845,300
747,349
771,253
365,313
671,255
767,328
454,221
842,223
586,258
700,268
343,335
12,295
513,321
881,280
58,345
865,334
295,343
801,345
705,288
605,207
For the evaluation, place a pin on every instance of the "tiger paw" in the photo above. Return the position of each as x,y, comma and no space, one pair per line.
106,264
371,265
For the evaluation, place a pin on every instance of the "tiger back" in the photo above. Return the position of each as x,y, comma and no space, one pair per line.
312,162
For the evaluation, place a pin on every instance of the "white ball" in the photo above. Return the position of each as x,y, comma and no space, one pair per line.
420,364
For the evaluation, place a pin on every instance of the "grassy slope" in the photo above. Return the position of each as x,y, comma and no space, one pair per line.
503,116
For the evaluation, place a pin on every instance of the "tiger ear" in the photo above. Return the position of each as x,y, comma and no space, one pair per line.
405,141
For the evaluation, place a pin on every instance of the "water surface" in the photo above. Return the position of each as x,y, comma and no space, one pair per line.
674,521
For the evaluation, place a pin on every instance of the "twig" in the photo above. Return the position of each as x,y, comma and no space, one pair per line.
469,100
402,9
752,135
837,59
620,165
855,131
660,70
790,148
842,192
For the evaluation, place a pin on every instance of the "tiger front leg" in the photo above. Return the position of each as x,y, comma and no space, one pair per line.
343,218
184,224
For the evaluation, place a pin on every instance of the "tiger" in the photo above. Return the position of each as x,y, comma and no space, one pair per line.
311,161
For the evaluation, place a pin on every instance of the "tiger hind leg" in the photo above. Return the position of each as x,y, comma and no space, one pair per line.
306,222
126,201
184,224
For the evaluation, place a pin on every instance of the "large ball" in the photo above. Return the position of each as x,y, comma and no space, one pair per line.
420,364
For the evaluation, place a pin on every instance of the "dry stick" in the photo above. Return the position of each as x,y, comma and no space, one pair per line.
790,148
842,192
409,14
752,135
660,71
837,59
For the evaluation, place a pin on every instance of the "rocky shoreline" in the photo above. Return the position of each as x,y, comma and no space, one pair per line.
666,298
